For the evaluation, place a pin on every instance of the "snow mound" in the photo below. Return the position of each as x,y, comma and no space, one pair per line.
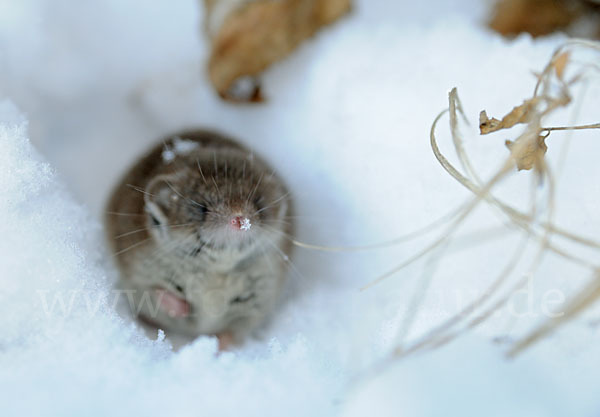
64,350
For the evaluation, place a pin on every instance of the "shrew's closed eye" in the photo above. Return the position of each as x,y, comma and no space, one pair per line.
155,221
197,211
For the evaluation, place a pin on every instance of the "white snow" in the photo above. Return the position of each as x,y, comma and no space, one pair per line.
180,147
346,124
246,225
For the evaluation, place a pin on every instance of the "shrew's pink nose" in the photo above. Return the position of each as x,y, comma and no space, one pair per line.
240,223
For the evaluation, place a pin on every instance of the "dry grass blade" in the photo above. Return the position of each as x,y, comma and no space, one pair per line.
527,152
581,127
393,242
434,336
586,297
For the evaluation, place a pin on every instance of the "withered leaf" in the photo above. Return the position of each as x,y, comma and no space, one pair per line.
487,125
537,17
519,114
247,36
527,151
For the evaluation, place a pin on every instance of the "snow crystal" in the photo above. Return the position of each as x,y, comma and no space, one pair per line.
180,147
245,225
160,337
168,155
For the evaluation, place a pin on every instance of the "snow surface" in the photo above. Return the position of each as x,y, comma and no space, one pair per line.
93,84
180,147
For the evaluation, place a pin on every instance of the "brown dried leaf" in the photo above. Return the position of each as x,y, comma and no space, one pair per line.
519,114
527,153
249,35
487,125
537,17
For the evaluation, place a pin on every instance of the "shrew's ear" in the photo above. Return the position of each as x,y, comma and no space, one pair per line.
160,198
